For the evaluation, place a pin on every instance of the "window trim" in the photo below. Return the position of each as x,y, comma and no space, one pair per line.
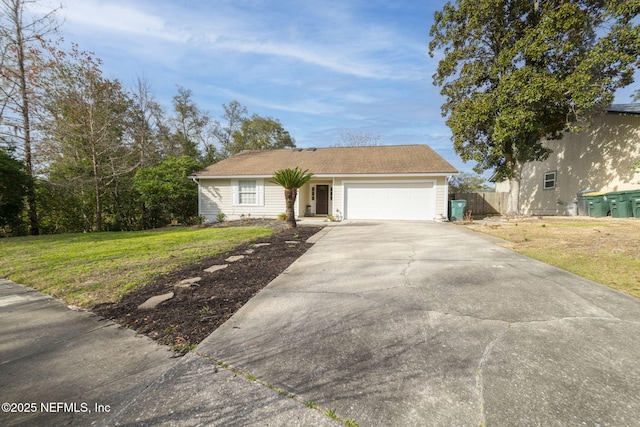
550,177
259,186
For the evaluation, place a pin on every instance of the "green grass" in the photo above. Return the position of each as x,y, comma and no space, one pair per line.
618,271
88,269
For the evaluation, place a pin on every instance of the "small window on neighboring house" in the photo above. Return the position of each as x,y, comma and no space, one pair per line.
247,192
549,180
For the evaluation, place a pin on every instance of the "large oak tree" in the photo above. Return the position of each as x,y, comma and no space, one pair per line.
261,133
514,72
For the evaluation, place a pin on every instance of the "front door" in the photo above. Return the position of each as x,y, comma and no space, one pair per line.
322,199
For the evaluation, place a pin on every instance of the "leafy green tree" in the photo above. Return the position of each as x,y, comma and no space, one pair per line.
516,71
467,183
63,208
261,133
291,180
167,191
15,183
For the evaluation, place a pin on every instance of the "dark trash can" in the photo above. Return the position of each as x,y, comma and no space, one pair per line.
583,205
456,209
598,204
620,204
635,202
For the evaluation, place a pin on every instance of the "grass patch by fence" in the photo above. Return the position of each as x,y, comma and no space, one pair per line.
605,250
88,269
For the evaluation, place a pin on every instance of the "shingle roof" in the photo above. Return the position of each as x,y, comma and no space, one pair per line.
388,159
624,109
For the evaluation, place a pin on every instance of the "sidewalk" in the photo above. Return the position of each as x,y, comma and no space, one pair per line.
51,354
65,367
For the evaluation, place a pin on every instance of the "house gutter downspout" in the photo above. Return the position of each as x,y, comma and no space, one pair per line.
445,208
197,181
332,192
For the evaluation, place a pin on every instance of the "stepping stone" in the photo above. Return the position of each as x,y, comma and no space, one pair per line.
154,301
216,268
234,258
291,242
249,251
186,283
257,245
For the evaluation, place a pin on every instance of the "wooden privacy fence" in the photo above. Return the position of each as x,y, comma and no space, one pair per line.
483,203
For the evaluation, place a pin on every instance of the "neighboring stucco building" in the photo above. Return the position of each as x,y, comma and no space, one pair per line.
599,158
402,182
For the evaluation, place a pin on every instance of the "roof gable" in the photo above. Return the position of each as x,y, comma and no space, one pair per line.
387,159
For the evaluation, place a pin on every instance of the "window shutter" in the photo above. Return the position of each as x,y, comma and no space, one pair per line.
234,192
260,192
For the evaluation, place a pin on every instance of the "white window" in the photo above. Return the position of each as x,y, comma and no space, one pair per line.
549,180
248,192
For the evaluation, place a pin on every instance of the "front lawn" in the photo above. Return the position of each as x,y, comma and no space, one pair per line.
95,268
604,250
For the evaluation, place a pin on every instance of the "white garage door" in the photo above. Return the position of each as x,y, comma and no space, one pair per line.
390,200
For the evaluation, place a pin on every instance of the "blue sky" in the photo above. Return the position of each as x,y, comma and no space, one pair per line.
323,68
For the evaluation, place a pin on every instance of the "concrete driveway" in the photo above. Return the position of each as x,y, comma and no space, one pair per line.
401,324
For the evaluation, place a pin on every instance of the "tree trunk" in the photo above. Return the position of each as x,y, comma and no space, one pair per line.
513,203
290,199
98,207
98,195
26,125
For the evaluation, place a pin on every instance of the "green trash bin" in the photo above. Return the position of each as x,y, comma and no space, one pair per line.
620,204
634,196
598,204
456,209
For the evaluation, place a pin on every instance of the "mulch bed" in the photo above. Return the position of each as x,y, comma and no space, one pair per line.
195,312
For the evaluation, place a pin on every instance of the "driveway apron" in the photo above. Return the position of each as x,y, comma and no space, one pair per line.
405,323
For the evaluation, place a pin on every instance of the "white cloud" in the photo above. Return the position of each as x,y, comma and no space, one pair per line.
331,37
310,106
310,54
119,18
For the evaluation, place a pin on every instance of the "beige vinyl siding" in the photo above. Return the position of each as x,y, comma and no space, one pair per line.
337,208
216,195
213,194
304,198
442,198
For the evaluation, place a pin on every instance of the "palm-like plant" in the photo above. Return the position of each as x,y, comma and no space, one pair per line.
291,180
